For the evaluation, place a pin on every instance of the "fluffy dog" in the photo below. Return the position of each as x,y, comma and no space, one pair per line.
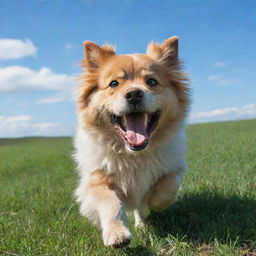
130,140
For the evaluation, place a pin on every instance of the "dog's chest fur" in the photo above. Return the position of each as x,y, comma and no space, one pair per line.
133,172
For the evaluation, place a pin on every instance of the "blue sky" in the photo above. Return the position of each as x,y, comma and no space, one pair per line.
41,46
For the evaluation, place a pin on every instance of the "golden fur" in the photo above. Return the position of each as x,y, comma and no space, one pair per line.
113,177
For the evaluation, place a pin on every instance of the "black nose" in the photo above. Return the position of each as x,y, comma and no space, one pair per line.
135,96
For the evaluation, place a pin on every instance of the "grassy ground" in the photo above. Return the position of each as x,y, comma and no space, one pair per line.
214,215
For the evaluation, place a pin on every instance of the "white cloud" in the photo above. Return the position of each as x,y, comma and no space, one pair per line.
214,77
17,118
227,81
232,113
51,100
23,125
23,78
69,46
221,80
11,49
219,64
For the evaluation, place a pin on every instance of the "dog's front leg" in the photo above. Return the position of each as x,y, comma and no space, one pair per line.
106,200
164,192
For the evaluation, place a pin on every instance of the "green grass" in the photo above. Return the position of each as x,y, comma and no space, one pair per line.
214,215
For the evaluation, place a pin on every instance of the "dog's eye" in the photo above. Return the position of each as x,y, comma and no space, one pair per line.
114,83
152,82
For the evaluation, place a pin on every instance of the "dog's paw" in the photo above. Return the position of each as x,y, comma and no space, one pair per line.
117,237
139,224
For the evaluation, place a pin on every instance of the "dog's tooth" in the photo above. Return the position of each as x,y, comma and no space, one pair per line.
146,119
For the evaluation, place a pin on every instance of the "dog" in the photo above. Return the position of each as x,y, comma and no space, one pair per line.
130,142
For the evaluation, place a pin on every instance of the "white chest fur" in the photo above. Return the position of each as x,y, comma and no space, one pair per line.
135,172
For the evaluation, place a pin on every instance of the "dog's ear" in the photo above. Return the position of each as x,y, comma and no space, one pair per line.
94,54
167,52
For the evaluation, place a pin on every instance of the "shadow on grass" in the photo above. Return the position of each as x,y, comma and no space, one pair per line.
138,251
203,217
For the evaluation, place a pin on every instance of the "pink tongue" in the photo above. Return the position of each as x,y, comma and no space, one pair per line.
136,133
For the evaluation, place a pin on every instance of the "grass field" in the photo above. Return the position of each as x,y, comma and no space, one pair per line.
214,215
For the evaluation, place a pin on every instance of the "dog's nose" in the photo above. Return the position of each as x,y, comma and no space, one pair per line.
134,96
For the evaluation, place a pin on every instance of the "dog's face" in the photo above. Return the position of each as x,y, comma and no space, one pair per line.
140,97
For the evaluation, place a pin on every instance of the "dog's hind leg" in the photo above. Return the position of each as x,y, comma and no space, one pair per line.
164,192
138,218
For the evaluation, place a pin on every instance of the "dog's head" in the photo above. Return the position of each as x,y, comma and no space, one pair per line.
140,97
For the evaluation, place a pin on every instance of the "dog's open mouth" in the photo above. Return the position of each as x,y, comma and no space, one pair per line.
136,127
